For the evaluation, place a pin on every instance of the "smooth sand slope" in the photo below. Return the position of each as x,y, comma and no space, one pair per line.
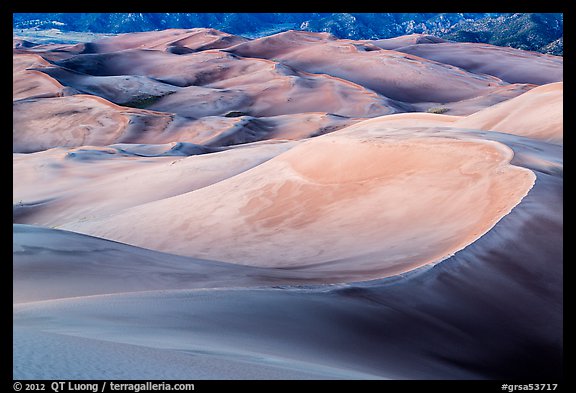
537,114
189,204
55,264
303,208
396,75
86,120
179,41
435,325
92,182
28,82
509,64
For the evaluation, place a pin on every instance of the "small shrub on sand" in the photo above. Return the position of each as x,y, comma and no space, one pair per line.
235,114
437,110
142,102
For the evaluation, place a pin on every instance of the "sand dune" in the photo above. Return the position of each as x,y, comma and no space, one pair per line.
273,96
306,125
266,216
482,101
90,120
215,85
28,82
509,64
450,307
94,182
402,123
281,91
405,40
18,43
55,264
139,70
49,52
295,206
396,75
101,194
82,120
178,41
537,113
179,70
130,90
68,121
281,43
395,329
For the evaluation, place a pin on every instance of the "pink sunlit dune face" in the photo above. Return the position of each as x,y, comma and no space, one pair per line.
295,206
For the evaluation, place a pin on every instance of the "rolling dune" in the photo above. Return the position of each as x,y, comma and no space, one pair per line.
178,41
215,85
95,182
302,207
191,204
398,76
438,324
509,64
28,82
80,120
536,114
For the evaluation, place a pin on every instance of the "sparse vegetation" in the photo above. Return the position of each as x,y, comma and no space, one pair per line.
437,110
235,114
144,102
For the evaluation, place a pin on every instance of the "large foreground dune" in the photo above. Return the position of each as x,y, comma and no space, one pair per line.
382,329
302,207
295,206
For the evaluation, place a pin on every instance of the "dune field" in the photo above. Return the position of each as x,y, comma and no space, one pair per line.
191,204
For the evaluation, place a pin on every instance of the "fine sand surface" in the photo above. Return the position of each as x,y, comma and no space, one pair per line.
28,82
449,307
178,41
537,114
434,325
94,182
85,120
191,204
301,207
53,264
396,75
509,64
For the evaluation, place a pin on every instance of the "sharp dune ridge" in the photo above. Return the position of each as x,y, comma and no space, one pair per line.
295,206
